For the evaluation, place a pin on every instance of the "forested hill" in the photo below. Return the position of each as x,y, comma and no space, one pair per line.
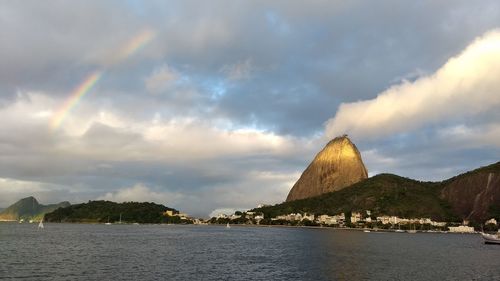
106,211
474,196
384,194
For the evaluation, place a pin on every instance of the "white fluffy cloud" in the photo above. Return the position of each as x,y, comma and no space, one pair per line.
141,193
466,86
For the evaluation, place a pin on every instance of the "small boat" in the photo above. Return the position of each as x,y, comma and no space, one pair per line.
490,238
366,230
40,225
399,230
228,226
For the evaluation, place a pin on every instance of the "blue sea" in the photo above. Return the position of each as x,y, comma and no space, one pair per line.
181,252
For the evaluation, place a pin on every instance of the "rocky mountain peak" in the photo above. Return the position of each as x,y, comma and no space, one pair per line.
338,165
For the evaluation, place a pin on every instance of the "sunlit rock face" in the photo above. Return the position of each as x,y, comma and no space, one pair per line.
338,165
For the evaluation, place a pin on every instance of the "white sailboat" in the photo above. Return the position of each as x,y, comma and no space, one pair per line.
228,226
40,225
491,238
399,229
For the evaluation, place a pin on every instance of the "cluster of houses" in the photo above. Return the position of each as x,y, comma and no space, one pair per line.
171,213
248,215
359,219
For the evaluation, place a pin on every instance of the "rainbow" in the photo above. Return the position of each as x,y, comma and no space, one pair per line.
132,46
76,95
135,44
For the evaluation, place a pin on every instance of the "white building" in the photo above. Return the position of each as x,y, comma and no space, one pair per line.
259,217
391,220
233,216
461,229
291,217
356,217
329,220
308,217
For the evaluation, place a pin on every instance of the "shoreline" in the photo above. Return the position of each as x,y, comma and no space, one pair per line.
369,230
345,229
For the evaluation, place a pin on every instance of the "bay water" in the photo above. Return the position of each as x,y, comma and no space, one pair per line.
208,252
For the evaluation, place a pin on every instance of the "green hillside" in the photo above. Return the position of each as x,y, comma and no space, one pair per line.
384,194
28,208
106,211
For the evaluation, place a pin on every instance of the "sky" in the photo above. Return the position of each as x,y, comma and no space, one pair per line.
218,106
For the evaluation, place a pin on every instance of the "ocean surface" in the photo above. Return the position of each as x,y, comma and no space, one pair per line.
169,252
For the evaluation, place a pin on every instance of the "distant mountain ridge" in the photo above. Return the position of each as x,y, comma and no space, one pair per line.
29,208
474,196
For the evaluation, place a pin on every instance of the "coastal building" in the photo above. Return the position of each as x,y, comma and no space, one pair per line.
222,216
234,217
183,216
391,220
259,217
356,217
331,220
309,217
438,223
461,229
169,213
291,217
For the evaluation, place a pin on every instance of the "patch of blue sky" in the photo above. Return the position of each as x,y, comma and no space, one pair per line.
216,89
277,23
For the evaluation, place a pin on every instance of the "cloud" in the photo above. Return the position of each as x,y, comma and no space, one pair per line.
140,193
224,105
225,211
238,71
161,79
190,164
466,86
12,190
